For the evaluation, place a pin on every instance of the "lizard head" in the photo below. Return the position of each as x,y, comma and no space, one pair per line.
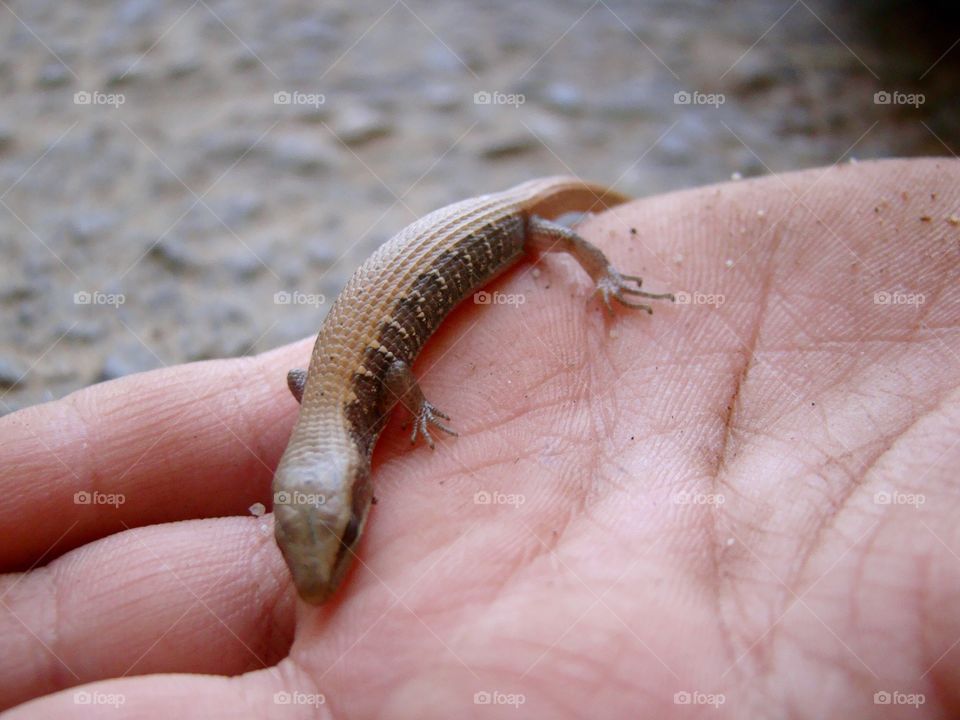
320,504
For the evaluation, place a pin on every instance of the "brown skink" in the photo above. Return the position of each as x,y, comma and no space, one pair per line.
360,367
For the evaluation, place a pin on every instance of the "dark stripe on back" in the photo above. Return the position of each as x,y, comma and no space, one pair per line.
433,295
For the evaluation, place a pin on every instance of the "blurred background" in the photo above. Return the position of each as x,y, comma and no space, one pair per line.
184,180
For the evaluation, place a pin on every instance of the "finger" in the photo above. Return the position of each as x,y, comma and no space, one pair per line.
209,596
267,693
190,441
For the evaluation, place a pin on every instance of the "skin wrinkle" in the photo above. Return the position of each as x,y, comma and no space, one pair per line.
591,336
300,679
923,312
48,450
832,518
864,554
89,476
829,521
572,372
539,550
944,686
239,418
927,619
64,575
275,606
501,422
240,688
561,517
722,465
581,668
262,555
603,417
59,675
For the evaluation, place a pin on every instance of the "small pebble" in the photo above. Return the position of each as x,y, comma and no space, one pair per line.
11,372
81,331
321,253
125,70
54,74
442,96
132,13
238,209
224,146
508,145
91,225
628,100
18,288
243,265
127,359
182,67
358,124
173,253
6,137
564,97
757,71
303,153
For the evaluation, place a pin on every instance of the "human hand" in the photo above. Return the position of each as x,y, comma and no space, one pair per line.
747,501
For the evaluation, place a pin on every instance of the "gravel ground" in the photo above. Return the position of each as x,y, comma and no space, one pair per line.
171,172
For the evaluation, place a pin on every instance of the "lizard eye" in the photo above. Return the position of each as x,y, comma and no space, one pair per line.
350,533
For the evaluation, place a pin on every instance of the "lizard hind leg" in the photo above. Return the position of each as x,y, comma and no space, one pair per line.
548,236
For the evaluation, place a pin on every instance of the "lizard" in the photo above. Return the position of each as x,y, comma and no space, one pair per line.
360,368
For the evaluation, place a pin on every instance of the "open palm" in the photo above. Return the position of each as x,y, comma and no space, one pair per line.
743,506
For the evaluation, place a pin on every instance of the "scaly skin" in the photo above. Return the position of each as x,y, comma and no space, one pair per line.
360,368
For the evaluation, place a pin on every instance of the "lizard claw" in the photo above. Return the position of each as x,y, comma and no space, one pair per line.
613,285
426,416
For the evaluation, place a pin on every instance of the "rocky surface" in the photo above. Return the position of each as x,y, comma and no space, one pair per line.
166,169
